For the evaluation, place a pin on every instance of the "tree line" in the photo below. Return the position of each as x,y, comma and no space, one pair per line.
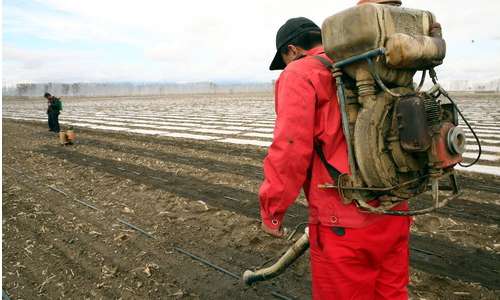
131,89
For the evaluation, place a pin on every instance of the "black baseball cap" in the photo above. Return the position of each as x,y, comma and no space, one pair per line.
290,30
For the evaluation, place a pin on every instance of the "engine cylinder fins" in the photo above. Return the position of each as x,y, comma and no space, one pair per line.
432,111
456,140
413,124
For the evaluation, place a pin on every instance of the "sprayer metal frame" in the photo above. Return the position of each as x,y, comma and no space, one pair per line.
434,176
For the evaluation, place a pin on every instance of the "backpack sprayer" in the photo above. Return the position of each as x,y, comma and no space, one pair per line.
401,140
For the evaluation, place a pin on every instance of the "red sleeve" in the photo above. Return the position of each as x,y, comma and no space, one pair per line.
289,157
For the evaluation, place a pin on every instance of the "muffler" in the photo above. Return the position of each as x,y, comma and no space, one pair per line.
290,256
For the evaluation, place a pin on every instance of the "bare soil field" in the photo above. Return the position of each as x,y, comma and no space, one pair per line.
112,216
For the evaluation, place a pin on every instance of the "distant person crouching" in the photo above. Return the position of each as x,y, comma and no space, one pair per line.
54,107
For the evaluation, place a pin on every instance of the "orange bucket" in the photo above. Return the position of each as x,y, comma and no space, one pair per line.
62,138
70,136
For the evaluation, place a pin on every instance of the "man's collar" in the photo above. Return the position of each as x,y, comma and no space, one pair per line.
315,51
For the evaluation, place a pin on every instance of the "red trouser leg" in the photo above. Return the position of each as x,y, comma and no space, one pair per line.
368,263
393,277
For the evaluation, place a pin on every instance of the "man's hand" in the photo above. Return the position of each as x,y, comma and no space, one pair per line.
279,232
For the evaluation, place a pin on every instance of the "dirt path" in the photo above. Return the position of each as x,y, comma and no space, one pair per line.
200,196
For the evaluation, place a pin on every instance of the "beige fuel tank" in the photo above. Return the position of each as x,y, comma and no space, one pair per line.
408,35
366,27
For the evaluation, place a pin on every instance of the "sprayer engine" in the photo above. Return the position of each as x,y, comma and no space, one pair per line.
401,140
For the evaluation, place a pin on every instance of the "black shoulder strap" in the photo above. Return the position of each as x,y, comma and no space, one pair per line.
334,173
328,64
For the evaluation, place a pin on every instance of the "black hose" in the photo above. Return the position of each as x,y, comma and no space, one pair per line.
472,130
206,262
444,93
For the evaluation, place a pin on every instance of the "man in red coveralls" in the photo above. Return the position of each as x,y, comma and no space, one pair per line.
354,255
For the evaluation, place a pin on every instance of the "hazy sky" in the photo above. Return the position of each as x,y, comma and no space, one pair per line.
108,40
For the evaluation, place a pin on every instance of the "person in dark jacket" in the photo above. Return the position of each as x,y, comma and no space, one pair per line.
54,107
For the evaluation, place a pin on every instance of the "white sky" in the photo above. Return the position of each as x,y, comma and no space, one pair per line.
98,40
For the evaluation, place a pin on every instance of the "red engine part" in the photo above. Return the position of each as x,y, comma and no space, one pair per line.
445,156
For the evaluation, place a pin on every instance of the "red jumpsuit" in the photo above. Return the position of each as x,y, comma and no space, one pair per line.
354,255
